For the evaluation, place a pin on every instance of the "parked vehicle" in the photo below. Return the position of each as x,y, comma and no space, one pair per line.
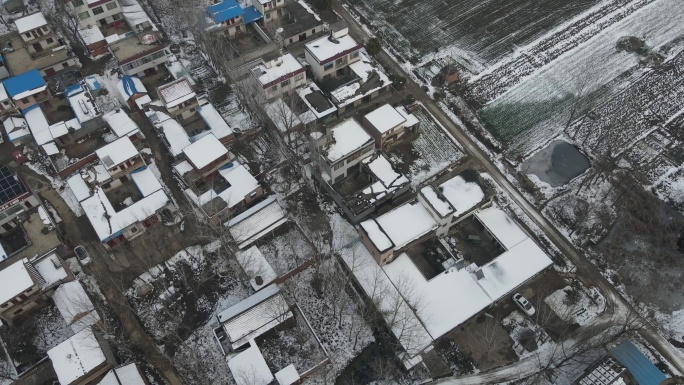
523,304
474,239
82,255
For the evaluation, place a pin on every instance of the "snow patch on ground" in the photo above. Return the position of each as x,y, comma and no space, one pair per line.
590,303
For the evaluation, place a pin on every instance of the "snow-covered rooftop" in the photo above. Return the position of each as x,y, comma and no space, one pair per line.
16,128
254,264
249,367
30,22
287,375
215,121
323,108
257,221
15,280
50,268
146,181
402,225
459,196
75,306
352,92
98,208
135,15
254,316
446,300
512,268
174,133
83,106
348,137
91,35
117,152
120,123
241,183
37,122
3,93
385,118
124,375
76,357
411,119
176,92
388,179
502,227
288,65
204,151
78,186
324,48
129,86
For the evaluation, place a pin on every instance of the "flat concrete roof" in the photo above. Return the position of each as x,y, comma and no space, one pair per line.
131,48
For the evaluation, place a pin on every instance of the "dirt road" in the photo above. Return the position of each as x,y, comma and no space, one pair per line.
584,267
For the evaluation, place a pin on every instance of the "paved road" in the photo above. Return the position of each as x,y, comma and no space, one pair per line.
584,267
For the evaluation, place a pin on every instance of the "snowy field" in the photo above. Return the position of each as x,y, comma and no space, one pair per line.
477,32
587,305
537,109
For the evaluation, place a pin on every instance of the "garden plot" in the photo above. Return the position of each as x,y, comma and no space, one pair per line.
287,249
478,32
527,336
537,109
429,153
576,305
174,298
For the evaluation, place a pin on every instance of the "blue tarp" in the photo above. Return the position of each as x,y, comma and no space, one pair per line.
643,370
224,10
129,85
73,89
21,83
252,15
93,84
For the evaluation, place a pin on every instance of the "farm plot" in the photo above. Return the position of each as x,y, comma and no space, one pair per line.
538,108
481,31
429,153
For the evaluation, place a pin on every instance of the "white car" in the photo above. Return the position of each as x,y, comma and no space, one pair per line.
523,304
82,255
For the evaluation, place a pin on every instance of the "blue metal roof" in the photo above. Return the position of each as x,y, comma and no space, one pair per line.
73,89
643,370
252,15
224,10
21,83
129,85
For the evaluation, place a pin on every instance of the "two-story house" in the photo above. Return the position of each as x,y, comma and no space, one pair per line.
140,58
330,55
227,16
271,9
28,283
120,158
207,155
388,124
298,24
341,148
15,197
278,75
95,12
36,46
27,89
178,98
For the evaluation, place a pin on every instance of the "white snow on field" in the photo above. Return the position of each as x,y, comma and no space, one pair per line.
586,309
596,63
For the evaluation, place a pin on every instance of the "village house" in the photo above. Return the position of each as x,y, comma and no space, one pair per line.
27,89
227,17
132,92
255,222
453,200
140,58
82,103
17,130
37,46
179,98
362,83
123,212
342,147
298,24
278,75
15,197
137,19
215,123
28,283
388,124
120,158
99,13
270,9
122,125
75,306
6,105
330,55
207,155
223,192
83,359
320,107
94,41
172,133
